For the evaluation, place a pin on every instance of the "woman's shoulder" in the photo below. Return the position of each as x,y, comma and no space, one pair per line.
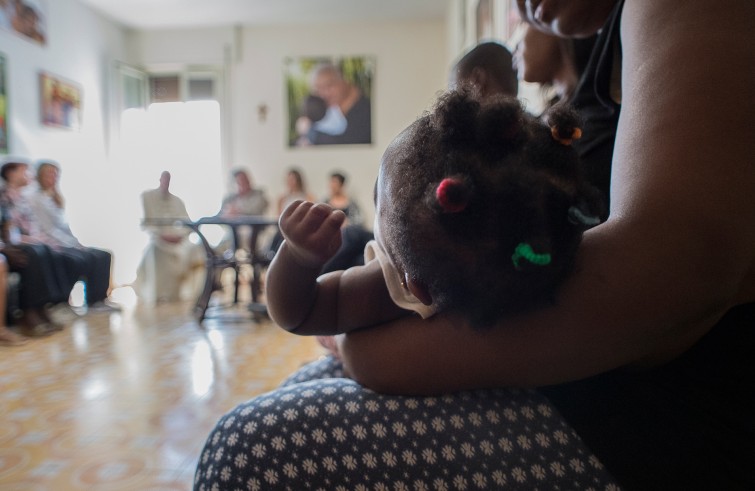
682,116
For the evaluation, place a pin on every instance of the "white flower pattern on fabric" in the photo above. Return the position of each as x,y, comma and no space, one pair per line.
319,432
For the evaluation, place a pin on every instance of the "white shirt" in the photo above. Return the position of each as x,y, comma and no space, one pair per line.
52,225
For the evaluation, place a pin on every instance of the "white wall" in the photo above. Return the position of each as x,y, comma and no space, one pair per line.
81,46
412,61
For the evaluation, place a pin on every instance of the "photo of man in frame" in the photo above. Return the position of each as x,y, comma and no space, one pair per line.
330,101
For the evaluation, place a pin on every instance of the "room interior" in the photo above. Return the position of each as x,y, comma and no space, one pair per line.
125,400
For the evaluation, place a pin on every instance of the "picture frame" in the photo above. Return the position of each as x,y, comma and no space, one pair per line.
484,23
4,137
25,18
329,100
60,102
490,20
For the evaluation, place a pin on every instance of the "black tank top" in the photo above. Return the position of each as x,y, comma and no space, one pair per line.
592,98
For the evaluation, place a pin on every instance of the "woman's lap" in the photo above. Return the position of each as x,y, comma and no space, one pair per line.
326,367
333,434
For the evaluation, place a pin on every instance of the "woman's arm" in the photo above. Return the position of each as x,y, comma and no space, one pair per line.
676,253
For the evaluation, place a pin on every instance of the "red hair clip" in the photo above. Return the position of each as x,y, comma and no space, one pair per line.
451,195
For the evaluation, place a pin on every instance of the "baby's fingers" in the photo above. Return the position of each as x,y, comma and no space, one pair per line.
294,212
329,228
316,217
297,219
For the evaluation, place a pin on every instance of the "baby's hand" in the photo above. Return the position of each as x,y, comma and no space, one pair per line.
312,232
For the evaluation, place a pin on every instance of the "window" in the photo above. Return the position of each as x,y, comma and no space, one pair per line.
164,121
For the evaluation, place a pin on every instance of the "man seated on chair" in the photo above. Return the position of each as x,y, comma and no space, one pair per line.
245,201
170,256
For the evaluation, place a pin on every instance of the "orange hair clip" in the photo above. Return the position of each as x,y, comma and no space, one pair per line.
575,135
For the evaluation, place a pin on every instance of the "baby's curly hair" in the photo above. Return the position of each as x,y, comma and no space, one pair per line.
488,205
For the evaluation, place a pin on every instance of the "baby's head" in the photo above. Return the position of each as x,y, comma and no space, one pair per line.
482,206
314,108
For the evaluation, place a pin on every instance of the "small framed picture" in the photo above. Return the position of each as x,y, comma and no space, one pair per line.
60,102
26,18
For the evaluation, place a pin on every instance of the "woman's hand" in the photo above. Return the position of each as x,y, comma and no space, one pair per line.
312,231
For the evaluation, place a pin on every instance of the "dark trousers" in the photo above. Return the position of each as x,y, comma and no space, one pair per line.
43,276
91,265
687,425
353,240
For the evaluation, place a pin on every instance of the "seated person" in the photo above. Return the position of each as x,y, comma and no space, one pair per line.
295,189
471,220
340,200
354,236
52,229
170,257
437,216
245,201
48,275
650,340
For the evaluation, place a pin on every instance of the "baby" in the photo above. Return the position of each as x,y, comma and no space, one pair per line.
480,209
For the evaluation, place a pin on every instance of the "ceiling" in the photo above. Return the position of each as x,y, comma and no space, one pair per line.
170,14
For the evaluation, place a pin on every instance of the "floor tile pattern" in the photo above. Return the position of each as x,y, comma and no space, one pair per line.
124,401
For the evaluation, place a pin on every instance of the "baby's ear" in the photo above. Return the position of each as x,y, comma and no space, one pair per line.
418,289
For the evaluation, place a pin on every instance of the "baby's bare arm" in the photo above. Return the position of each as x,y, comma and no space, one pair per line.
312,235
301,300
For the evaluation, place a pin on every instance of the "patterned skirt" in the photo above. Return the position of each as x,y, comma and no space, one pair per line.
320,431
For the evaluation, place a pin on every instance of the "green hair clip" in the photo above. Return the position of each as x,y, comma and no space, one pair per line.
524,251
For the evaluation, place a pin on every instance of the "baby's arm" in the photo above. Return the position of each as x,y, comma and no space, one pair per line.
299,300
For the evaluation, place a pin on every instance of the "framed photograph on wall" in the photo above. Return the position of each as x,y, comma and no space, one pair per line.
490,20
329,100
60,102
26,18
484,20
3,106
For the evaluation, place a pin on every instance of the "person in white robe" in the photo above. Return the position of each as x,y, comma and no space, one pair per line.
171,258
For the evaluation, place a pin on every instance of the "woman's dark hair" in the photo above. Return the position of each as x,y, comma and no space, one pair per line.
297,177
338,175
10,166
482,194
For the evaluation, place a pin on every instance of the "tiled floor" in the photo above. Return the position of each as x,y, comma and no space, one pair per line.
124,401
